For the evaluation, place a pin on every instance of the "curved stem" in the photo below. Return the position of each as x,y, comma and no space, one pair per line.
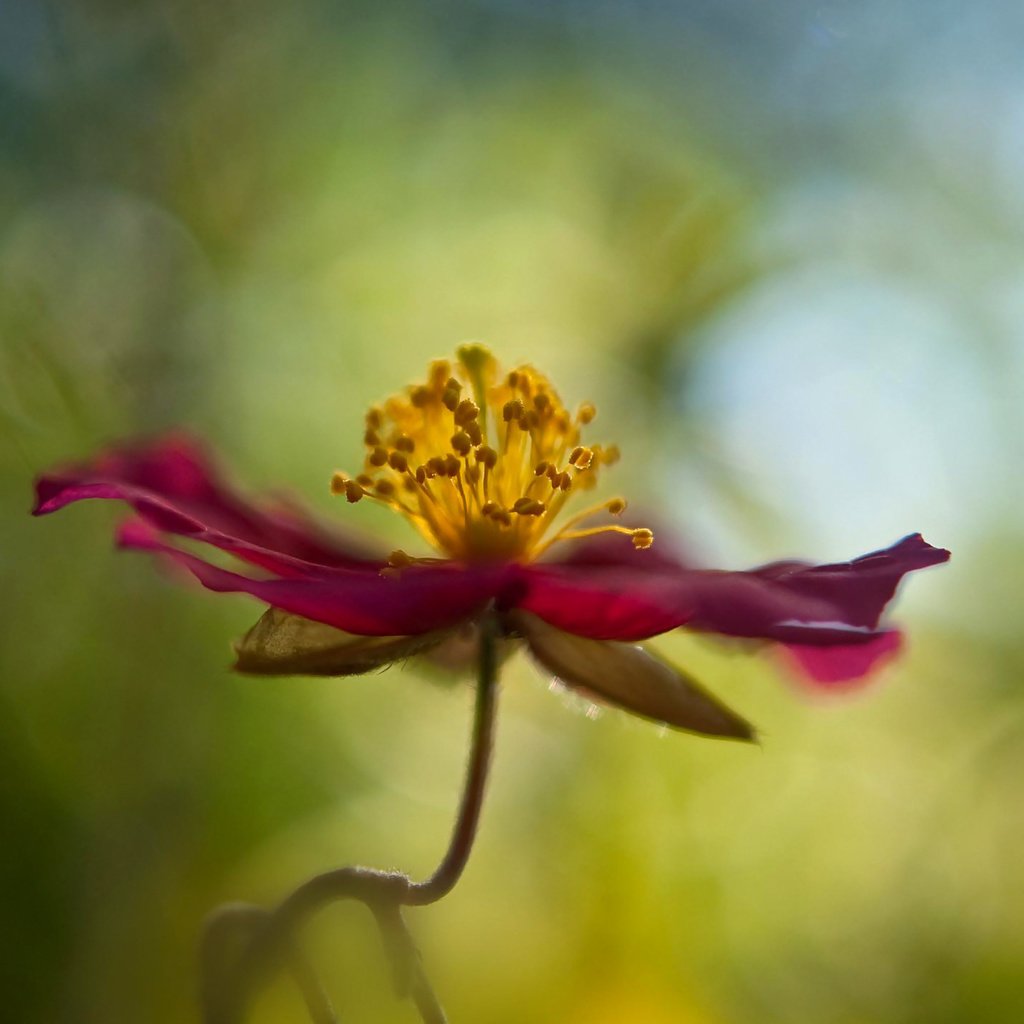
373,886
448,872
384,892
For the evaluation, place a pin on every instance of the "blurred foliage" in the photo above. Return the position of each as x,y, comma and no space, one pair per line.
254,219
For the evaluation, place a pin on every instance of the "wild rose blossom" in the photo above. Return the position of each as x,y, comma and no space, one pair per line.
484,465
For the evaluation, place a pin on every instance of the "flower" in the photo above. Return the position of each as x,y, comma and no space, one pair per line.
484,464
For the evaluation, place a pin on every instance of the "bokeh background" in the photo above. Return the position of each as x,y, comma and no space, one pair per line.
780,245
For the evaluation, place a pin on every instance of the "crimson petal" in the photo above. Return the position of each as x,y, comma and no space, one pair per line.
410,601
826,605
838,667
174,484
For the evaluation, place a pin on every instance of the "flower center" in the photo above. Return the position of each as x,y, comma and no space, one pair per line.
482,464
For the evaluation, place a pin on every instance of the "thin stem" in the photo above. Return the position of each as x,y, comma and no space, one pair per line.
384,892
448,872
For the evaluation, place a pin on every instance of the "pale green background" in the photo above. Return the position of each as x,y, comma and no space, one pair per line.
780,245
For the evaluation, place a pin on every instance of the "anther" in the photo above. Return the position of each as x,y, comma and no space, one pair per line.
586,413
385,488
512,410
490,507
341,484
541,401
529,507
436,465
466,410
420,396
374,418
541,468
642,538
405,443
397,461
450,395
462,443
451,465
371,438
476,435
487,456
399,559
364,479
378,456
421,475
617,506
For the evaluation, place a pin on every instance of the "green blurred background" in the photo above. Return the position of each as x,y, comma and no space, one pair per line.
780,245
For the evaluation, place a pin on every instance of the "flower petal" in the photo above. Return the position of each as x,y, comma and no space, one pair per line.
629,678
839,667
603,602
174,484
410,601
827,605
281,643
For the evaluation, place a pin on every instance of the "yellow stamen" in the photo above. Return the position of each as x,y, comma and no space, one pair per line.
492,472
642,539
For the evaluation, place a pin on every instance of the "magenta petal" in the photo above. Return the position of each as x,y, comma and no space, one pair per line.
828,605
860,588
410,601
174,484
604,602
835,667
